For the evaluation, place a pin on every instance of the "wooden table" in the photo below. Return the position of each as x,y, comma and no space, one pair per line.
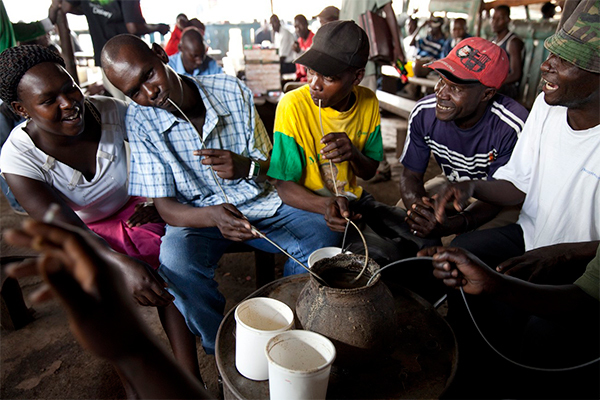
421,362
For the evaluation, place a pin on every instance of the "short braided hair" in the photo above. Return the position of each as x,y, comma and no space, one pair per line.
16,61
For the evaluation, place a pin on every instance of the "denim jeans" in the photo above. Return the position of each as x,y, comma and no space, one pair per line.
189,257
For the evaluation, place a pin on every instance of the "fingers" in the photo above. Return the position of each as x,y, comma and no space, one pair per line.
23,269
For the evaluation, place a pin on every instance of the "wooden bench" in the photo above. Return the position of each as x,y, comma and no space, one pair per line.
395,104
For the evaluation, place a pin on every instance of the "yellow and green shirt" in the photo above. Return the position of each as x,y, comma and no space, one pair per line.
297,141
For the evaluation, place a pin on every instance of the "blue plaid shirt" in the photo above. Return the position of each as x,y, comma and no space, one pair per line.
162,145
209,66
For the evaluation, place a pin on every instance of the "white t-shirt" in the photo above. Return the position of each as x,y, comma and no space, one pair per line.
284,41
91,200
558,169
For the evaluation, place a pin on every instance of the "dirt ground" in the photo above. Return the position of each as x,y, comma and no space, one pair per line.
43,360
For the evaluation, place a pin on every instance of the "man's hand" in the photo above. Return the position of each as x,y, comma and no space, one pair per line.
422,222
163,29
459,268
144,213
227,165
544,265
456,193
146,286
336,213
232,223
338,147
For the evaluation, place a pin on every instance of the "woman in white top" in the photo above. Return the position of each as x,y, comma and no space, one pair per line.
71,151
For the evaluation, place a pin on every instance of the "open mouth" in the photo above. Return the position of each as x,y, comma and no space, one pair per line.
549,86
76,115
442,108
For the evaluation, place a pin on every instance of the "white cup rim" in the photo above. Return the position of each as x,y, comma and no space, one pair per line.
298,333
337,250
287,312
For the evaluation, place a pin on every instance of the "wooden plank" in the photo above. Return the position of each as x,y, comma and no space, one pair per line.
395,104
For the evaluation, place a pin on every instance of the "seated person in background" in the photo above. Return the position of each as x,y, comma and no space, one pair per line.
542,326
305,38
513,46
191,60
458,30
172,46
429,47
263,33
283,40
553,170
548,10
206,209
79,270
471,131
71,151
316,165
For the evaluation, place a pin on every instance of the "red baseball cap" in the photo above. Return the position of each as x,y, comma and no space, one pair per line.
476,59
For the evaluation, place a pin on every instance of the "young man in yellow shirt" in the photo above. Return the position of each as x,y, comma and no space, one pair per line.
327,134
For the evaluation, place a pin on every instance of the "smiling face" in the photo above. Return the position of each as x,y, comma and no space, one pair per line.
462,103
333,91
567,85
49,96
143,75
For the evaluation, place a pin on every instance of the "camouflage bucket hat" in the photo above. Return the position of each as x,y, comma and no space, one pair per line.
578,41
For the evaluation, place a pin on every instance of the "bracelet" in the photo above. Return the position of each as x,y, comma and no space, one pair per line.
254,170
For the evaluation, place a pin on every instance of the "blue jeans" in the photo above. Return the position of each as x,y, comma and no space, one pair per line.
189,257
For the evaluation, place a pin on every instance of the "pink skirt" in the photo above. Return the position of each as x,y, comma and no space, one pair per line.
140,242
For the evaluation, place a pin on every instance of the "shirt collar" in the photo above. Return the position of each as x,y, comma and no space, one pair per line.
215,109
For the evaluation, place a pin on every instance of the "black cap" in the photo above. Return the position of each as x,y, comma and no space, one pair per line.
337,46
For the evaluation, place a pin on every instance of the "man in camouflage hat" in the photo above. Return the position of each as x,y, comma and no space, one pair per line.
554,162
555,172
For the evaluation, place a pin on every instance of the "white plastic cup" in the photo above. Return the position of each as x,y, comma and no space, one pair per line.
299,365
258,320
324,252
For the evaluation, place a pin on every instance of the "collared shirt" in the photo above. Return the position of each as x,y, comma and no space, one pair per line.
209,66
162,145
430,47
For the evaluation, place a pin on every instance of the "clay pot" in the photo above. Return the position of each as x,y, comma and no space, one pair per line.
361,322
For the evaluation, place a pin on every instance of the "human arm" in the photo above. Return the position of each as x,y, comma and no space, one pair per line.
229,165
135,22
230,221
102,318
339,148
411,187
496,192
458,268
145,286
335,209
390,18
551,264
514,50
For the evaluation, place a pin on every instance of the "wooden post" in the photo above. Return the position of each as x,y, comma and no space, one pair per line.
66,45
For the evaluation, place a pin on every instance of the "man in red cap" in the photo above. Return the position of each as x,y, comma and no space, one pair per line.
470,129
